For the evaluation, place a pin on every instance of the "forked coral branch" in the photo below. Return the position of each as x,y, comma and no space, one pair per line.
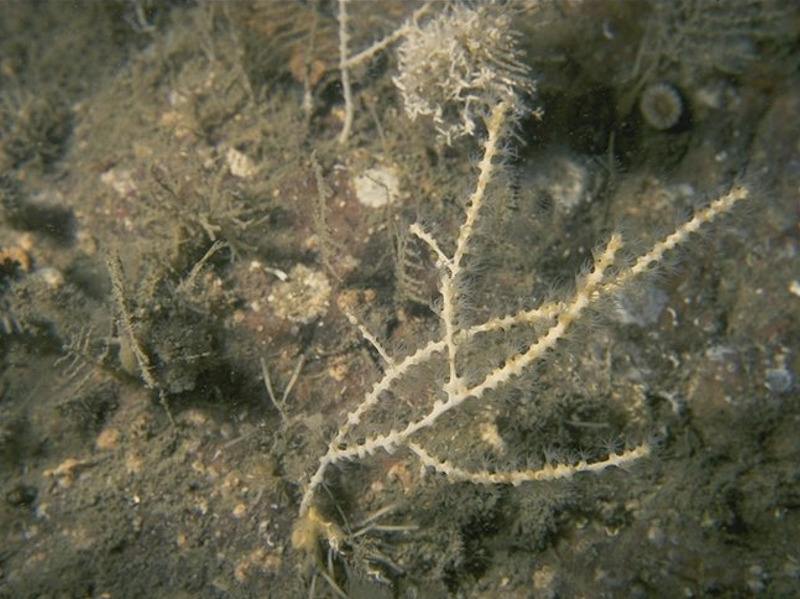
450,358
348,62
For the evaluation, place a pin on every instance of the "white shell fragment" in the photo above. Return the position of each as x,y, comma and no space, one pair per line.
377,186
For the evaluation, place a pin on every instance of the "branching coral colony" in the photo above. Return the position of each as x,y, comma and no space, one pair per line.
425,389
